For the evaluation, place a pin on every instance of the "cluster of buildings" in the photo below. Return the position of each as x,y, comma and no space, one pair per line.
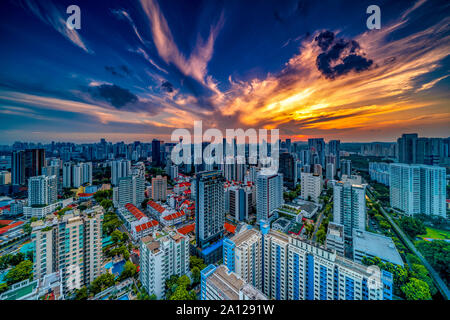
274,265
208,210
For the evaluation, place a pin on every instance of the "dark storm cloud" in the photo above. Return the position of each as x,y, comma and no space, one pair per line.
167,86
339,56
115,95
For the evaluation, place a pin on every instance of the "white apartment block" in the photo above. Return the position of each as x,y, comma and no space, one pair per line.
311,186
296,269
269,194
42,190
242,254
418,189
349,206
71,245
130,190
162,255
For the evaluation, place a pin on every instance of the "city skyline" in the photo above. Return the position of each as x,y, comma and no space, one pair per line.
139,70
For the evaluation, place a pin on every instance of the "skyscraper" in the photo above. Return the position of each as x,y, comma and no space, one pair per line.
18,168
269,194
34,162
287,168
25,164
156,152
316,148
334,147
349,206
209,208
407,148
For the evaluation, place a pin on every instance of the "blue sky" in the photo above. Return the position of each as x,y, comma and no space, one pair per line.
140,69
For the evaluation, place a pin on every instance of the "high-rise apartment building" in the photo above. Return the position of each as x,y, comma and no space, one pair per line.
311,186
120,169
418,189
209,207
269,194
130,190
162,255
297,269
71,245
242,254
159,188
240,202
349,206
42,190
76,175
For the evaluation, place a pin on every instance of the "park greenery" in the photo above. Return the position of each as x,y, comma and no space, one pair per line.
412,227
437,253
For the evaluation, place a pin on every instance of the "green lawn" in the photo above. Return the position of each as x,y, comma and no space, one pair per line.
436,234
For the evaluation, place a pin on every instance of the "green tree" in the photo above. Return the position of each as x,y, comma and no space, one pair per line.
153,297
183,281
416,289
102,282
421,273
197,262
129,270
22,271
106,204
321,235
116,236
196,275
413,227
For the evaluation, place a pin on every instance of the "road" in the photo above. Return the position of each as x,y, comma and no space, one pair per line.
440,284
319,220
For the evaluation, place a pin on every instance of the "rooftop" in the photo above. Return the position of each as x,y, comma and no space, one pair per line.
376,245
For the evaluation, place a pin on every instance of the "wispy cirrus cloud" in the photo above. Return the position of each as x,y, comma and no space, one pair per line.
196,64
55,17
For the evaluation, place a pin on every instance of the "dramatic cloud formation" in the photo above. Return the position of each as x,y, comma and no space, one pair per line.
223,64
343,54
